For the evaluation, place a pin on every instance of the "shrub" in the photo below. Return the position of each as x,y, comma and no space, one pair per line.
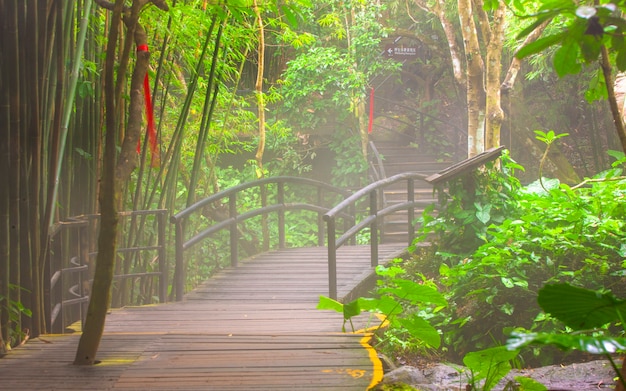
495,244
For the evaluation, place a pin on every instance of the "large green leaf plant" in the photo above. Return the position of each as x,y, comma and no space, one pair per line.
516,241
588,315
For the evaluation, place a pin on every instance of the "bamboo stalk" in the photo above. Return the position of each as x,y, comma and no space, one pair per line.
76,62
5,101
207,115
12,57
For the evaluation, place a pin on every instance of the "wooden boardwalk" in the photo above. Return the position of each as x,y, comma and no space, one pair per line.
250,328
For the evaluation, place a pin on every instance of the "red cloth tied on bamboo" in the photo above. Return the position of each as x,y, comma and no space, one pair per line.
152,137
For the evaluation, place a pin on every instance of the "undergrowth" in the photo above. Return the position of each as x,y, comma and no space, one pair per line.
496,243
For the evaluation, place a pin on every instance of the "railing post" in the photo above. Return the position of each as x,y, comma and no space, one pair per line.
349,223
234,233
332,258
83,280
180,263
380,205
281,215
55,254
162,255
320,219
374,228
410,193
47,293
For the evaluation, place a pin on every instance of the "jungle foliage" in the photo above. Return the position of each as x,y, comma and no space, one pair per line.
317,63
496,243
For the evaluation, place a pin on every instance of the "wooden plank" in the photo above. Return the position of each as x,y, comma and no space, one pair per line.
253,327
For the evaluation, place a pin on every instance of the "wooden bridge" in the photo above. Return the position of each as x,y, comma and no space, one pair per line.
253,325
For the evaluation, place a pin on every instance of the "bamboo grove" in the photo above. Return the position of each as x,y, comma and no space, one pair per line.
55,123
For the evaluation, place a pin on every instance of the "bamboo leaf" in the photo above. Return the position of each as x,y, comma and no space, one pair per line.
290,15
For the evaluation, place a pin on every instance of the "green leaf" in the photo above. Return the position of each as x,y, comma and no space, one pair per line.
416,293
490,5
580,308
533,26
351,309
326,303
386,305
566,59
590,48
536,188
421,329
290,15
620,60
490,364
539,45
617,155
507,282
584,343
529,384
483,214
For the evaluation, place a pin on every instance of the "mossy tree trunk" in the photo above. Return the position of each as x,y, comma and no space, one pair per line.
114,171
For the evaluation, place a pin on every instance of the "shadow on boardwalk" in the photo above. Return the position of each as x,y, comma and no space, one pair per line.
253,327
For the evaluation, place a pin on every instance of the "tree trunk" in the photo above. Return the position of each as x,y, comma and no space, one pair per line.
456,57
114,172
615,109
128,158
474,81
516,63
260,98
493,107
105,260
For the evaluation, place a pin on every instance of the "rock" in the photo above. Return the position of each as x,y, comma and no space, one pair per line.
437,377
588,376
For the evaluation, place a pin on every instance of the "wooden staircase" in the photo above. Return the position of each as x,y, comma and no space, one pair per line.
388,158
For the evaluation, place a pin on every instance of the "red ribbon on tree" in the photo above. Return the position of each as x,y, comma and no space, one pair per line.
152,137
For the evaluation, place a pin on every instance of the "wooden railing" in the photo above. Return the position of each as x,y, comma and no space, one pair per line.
371,219
233,221
72,246
377,168
66,298
72,242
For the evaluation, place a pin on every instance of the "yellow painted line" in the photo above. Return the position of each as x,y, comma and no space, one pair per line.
377,372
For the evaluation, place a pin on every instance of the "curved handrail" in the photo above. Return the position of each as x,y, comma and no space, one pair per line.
234,218
371,220
68,271
379,168
244,186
